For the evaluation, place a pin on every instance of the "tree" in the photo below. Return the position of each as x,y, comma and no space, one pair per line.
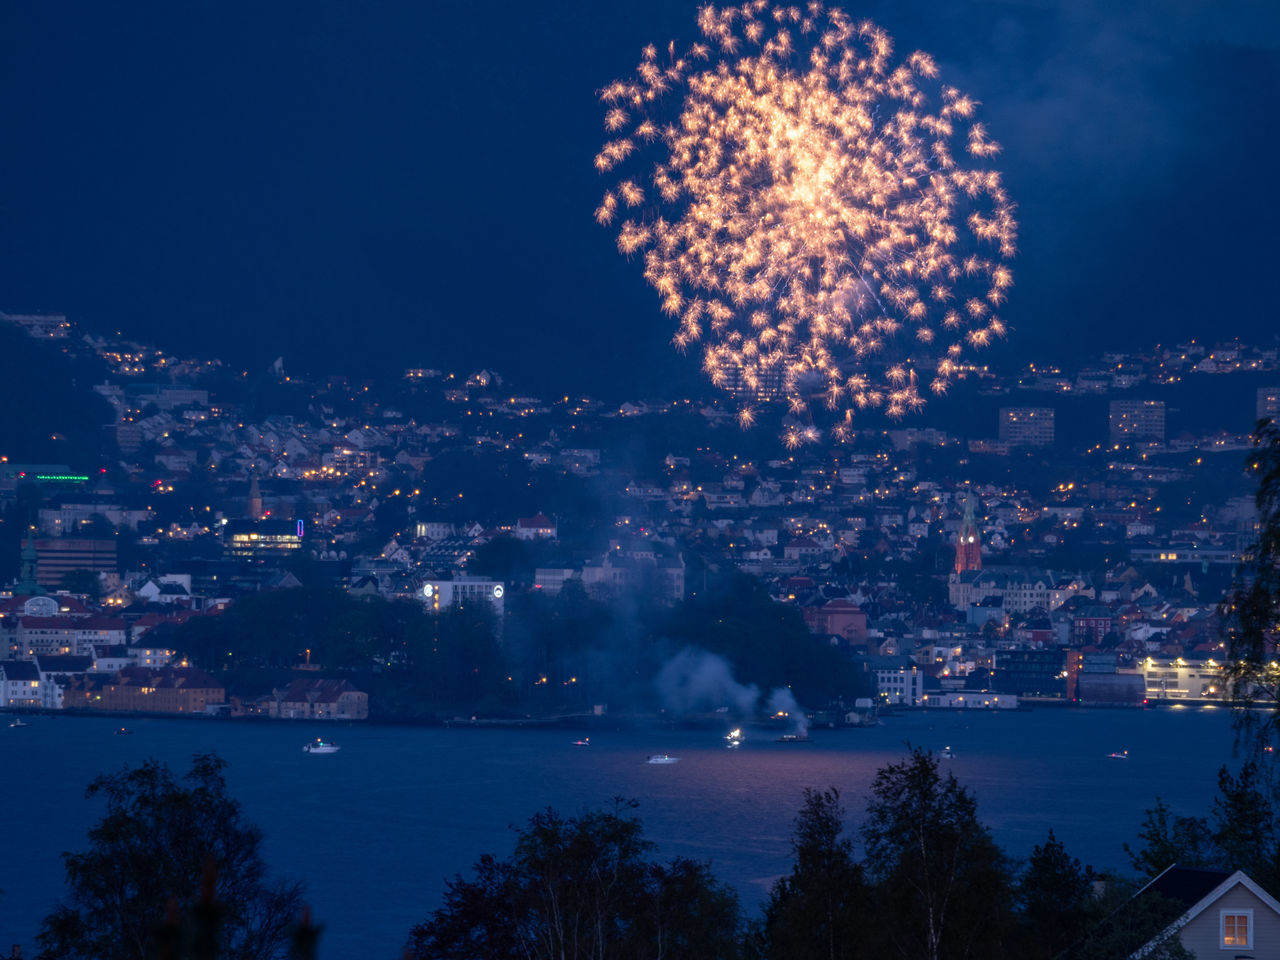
1056,898
1128,922
821,910
170,858
503,558
1169,839
767,642
1250,611
938,874
84,582
1244,828
581,888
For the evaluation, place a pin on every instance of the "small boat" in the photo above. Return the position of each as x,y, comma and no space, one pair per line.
734,737
320,746
584,742
947,754
123,731
662,758
794,738
19,722
1122,755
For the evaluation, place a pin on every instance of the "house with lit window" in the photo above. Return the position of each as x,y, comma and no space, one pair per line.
63,636
1226,914
148,690
19,684
899,680
56,674
537,527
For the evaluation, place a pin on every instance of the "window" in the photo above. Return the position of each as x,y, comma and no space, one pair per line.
1237,928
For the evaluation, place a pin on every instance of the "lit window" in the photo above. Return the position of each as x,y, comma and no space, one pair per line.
1237,928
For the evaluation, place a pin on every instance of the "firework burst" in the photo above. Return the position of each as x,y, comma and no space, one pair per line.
820,219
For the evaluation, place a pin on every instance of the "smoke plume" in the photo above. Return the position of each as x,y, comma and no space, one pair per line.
694,680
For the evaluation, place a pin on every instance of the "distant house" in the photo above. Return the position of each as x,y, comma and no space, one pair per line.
60,635
152,690
1226,915
538,527
802,548
19,684
173,589
57,673
319,700
841,617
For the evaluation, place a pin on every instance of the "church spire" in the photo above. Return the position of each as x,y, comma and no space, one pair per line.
968,542
255,498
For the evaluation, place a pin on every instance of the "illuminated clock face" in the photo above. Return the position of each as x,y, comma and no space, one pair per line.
497,592
971,538
428,590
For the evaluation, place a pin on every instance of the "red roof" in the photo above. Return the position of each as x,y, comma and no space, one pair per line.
185,677
72,623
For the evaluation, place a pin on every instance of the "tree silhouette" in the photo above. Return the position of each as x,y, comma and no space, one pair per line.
172,870
1250,611
821,909
581,888
943,887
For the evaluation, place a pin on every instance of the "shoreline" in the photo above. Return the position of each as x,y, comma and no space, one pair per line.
590,722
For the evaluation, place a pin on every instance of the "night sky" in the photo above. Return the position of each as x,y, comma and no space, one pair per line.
367,186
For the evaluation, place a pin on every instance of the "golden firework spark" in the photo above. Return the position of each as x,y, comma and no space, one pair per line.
812,213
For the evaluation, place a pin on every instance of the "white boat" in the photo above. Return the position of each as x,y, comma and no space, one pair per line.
320,746
1121,755
18,723
662,758
734,737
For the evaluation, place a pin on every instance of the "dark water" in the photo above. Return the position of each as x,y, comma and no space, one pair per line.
376,828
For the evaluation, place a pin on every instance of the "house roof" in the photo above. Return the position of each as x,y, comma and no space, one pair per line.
72,623
1187,885
539,522
189,678
1199,889
19,670
318,691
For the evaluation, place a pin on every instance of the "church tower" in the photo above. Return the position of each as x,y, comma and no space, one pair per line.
27,586
969,542
255,498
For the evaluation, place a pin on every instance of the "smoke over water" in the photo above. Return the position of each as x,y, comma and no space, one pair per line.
782,701
695,681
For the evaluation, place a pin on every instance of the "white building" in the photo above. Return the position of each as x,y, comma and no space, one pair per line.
899,681
444,594
971,700
1179,679
19,684
54,672
1022,590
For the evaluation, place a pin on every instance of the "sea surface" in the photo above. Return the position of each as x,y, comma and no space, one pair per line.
375,830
